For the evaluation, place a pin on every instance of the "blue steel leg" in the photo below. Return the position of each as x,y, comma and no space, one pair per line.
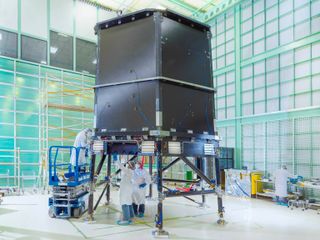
150,172
159,216
200,165
92,173
219,194
109,176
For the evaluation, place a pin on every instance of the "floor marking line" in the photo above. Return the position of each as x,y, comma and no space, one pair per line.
77,229
104,235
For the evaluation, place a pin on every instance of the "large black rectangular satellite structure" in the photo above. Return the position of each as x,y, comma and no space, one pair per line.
154,97
154,75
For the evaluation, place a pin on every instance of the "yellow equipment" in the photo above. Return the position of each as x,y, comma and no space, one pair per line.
256,186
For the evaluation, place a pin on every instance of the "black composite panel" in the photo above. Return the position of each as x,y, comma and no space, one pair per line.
127,52
128,106
154,73
132,107
185,53
186,108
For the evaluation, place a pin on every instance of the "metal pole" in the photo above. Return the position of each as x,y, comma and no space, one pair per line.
219,194
159,216
180,180
202,164
200,173
171,164
150,172
19,167
100,197
100,165
92,171
192,200
108,179
130,160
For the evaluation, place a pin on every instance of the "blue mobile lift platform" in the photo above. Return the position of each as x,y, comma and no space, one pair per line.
70,184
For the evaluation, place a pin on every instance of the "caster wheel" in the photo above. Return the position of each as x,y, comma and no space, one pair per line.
77,212
51,212
160,234
221,222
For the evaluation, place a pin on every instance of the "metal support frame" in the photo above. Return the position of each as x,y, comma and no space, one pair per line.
191,193
125,148
197,171
221,220
108,179
150,173
186,197
92,187
159,217
179,180
171,164
100,165
106,189
200,166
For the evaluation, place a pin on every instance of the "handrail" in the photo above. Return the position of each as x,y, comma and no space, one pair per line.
54,163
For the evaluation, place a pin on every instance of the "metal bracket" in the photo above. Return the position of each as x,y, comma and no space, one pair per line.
161,196
160,234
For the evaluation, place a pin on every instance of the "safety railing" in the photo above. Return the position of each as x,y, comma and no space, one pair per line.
75,175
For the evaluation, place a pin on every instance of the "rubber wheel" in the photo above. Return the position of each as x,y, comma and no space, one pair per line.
51,212
77,212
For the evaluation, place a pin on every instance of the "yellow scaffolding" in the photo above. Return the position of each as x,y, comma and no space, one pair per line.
60,99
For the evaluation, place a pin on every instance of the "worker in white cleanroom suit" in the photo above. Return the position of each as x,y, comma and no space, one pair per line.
125,194
281,184
141,179
82,141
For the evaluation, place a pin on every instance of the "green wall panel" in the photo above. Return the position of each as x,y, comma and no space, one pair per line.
267,105
24,67
6,130
27,144
6,117
6,64
6,143
6,90
29,157
30,132
27,106
27,118
6,77
26,91
27,81
7,104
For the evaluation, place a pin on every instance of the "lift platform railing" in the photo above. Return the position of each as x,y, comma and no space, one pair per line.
75,175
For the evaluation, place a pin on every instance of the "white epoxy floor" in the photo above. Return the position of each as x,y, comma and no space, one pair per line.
25,217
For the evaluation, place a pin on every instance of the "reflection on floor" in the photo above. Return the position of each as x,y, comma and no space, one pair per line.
26,217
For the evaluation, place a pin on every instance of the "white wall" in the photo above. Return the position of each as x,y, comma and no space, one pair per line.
34,18
61,16
86,19
66,16
9,14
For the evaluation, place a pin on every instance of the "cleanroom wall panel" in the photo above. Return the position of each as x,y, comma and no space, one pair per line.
275,82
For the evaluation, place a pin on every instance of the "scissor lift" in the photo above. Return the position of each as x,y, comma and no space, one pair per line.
70,184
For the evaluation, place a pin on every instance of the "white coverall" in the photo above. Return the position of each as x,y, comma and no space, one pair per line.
125,193
281,179
82,140
140,176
